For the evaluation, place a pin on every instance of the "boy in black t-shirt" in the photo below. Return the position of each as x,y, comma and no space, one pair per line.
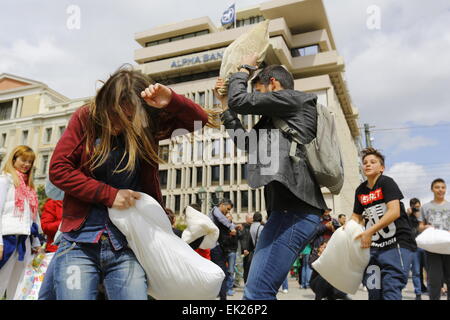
388,233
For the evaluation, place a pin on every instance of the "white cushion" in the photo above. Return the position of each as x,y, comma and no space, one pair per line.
343,261
174,271
199,225
434,240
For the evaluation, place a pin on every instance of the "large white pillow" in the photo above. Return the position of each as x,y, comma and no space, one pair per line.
254,41
199,225
434,240
174,271
343,261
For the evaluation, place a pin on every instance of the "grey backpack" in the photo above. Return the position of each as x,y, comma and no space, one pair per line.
322,153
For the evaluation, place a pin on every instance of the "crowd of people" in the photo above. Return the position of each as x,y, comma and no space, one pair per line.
108,155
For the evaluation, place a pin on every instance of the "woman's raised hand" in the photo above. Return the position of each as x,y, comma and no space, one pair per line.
157,95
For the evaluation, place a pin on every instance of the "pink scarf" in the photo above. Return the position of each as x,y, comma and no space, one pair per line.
25,192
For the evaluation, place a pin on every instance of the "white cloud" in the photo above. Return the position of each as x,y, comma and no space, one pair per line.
414,179
402,140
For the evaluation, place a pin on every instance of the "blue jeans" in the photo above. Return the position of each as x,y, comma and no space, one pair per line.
387,273
285,285
231,264
80,267
284,236
415,269
47,290
306,271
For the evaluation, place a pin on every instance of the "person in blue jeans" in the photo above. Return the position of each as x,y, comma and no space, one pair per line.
417,261
294,201
387,232
306,269
106,157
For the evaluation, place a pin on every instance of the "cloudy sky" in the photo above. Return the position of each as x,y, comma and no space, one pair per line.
398,74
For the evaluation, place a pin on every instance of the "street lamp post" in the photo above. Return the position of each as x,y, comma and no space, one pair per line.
202,195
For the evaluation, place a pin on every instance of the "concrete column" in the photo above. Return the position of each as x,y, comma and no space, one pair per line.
14,109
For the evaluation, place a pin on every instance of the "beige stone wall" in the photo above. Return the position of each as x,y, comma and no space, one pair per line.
30,105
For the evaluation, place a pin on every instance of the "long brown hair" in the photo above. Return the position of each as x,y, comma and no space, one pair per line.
118,103
26,153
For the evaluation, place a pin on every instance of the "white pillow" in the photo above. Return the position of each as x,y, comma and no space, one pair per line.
434,240
254,41
343,261
174,271
199,225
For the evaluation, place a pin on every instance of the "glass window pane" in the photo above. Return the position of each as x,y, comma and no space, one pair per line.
312,50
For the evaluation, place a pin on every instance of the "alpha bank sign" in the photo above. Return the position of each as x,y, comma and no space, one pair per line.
197,59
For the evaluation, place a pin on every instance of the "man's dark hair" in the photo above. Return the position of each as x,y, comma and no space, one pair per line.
196,206
339,216
257,217
437,181
413,202
226,202
277,72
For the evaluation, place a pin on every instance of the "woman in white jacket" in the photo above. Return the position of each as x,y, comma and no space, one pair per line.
19,218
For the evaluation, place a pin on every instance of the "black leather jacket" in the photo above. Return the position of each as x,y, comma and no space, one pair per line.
298,109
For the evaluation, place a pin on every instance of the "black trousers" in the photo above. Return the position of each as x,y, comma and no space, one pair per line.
219,257
438,274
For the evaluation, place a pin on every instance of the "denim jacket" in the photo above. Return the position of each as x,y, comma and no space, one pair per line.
298,109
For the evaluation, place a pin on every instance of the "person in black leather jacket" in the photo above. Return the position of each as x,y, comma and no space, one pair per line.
294,201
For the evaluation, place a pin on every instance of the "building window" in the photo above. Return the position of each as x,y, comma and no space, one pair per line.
201,98
163,179
5,110
226,195
179,148
199,150
244,172
177,203
253,200
305,51
164,152
44,164
165,201
176,38
61,130
249,21
199,176
215,175
3,140
216,148
48,135
25,137
178,178
226,173
244,201
228,148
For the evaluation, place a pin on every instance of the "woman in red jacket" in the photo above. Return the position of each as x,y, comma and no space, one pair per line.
50,220
107,154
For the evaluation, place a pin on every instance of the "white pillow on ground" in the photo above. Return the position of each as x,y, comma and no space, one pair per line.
254,41
434,240
199,225
174,271
343,261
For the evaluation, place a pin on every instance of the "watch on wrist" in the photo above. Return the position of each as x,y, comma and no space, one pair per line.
248,67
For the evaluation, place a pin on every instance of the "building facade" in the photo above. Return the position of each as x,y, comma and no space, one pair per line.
187,56
32,114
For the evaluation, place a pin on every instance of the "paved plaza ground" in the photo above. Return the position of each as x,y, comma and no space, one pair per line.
295,293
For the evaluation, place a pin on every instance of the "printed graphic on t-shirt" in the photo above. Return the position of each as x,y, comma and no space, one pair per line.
383,237
438,218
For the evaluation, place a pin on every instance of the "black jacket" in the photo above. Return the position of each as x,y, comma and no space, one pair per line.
298,109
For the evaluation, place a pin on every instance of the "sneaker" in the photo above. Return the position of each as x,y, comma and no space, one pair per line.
284,291
418,297
230,293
